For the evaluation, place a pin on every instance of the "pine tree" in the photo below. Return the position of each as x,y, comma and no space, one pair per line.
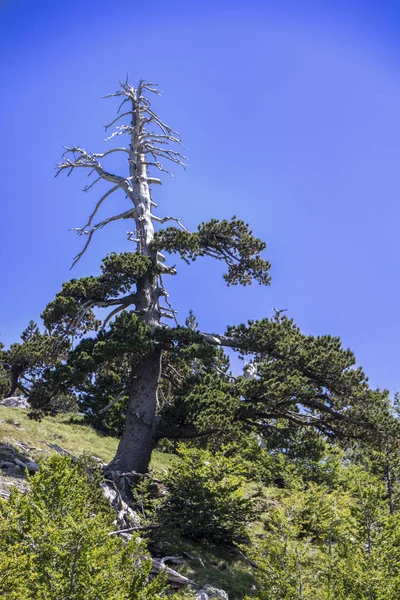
24,362
299,381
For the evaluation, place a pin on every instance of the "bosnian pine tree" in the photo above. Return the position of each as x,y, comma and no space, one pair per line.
297,381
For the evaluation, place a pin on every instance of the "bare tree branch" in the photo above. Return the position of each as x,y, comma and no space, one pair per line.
125,215
88,161
88,187
166,219
114,312
111,404
117,119
99,203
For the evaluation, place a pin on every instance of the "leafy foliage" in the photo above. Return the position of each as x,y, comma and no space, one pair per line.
307,381
127,336
206,497
334,539
54,542
24,362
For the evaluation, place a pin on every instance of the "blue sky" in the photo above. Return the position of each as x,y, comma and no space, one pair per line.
290,114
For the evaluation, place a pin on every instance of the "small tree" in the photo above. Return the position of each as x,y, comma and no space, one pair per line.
25,361
207,497
55,542
301,381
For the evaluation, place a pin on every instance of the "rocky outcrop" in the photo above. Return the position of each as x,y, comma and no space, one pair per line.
14,464
15,402
208,592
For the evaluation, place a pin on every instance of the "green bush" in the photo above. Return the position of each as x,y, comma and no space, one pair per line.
207,498
55,542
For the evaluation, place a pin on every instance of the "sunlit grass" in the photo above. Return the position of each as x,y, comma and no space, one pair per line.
65,431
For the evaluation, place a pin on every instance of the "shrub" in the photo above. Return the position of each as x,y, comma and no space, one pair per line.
207,498
55,542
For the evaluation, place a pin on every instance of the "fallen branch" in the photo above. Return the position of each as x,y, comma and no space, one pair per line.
130,529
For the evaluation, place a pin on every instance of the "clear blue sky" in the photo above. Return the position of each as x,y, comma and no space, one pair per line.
290,111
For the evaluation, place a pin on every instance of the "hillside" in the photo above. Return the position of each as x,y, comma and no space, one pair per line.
31,439
324,520
65,430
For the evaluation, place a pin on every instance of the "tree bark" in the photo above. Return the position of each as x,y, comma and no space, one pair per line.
138,437
136,445
389,485
14,376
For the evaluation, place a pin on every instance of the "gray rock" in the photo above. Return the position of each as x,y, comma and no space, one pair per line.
19,462
6,452
5,464
10,468
32,466
13,462
15,402
209,592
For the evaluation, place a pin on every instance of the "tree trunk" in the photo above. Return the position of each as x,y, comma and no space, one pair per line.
136,445
148,138
389,485
14,376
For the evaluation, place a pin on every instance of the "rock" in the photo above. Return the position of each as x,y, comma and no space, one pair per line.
7,482
208,592
15,402
10,468
10,462
32,466
5,464
6,452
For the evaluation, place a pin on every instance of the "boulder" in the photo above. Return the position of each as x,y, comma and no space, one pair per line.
15,402
6,452
30,465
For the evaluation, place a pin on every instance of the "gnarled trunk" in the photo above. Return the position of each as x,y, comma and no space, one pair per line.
14,376
134,450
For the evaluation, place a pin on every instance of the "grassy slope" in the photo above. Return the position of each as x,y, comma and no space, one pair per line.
221,567
69,433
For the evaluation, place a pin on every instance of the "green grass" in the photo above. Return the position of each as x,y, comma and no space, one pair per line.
65,431
75,437
220,566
